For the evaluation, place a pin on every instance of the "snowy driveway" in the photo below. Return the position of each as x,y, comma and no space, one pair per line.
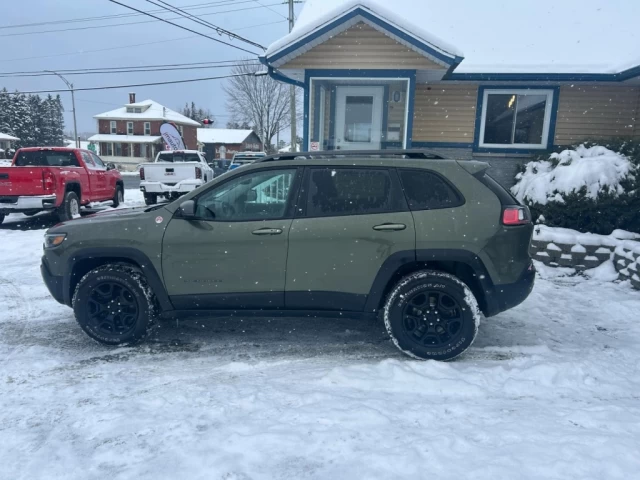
549,390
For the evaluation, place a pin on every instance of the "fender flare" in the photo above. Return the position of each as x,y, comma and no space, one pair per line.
125,253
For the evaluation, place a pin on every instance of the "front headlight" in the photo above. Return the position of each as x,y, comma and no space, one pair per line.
54,239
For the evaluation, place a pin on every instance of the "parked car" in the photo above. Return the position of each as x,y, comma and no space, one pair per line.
188,170
59,180
427,241
245,158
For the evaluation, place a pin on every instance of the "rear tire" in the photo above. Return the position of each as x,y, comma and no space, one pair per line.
432,315
118,197
150,198
114,305
70,207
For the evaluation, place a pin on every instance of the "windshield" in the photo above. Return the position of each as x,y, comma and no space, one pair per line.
46,158
178,157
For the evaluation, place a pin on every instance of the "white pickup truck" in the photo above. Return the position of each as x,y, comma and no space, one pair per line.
174,173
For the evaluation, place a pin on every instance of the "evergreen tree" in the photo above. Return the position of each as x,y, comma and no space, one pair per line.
58,122
5,107
35,109
194,113
22,121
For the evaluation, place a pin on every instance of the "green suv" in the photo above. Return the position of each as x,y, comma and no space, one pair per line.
425,242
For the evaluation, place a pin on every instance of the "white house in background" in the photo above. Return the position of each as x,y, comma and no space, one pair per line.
5,143
131,134
222,143
68,142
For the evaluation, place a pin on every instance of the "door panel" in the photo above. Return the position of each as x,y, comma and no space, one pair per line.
235,254
359,118
354,219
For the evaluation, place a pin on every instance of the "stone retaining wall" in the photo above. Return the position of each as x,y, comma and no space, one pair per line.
567,248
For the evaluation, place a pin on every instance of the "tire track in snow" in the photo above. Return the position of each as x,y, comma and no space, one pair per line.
17,310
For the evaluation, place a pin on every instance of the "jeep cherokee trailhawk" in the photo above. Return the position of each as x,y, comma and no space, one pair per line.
425,242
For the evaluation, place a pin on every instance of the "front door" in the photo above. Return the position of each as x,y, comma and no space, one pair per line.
359,118
236,252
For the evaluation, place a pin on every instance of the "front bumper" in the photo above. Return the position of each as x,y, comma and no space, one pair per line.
53,282
22,204
509,295
184,186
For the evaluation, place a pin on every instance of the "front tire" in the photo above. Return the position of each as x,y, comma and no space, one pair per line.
70,207
114,305
118,197
432,315
150,198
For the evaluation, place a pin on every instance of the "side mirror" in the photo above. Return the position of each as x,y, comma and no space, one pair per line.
188,209
111,166
252,196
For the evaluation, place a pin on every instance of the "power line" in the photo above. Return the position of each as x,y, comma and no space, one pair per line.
122,24
269,8
111,87
133,45
220,31
197,6
132,67
184,28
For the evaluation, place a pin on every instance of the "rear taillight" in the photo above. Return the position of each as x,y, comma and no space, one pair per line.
48,181
142,174
198,173
516,216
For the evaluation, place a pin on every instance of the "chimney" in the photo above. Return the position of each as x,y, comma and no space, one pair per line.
132,97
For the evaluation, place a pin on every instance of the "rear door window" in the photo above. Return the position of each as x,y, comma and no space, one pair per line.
428,191
47,158
351,191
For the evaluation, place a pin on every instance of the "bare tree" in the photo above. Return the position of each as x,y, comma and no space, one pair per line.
259,101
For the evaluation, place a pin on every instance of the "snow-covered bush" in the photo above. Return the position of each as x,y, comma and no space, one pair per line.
589,188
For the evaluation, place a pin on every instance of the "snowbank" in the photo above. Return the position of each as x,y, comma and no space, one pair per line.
597,168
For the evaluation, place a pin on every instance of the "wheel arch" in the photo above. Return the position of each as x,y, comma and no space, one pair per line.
83,261
465,265
75,188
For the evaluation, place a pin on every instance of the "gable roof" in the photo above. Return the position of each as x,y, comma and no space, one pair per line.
222,135
6,136
528,36
154,111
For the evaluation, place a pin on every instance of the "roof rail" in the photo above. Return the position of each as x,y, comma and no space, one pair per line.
413,154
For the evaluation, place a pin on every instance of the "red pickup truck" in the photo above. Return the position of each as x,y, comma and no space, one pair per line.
57,179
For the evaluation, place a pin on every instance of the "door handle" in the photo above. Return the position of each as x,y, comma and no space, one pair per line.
390,227
267,231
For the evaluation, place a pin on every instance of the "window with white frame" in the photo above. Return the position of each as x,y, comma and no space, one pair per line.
516,118
117,148
108,149
113,127
129,128
147,128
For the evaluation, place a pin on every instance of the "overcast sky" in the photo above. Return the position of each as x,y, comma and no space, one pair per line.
119,46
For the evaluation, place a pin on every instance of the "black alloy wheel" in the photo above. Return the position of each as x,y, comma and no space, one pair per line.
112,309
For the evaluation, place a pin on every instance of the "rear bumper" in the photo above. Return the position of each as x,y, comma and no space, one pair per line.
53,282
184,186
509,295
21,204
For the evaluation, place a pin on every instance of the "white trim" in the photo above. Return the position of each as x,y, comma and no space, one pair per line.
515,91
113,127
129,123
323,101
145,128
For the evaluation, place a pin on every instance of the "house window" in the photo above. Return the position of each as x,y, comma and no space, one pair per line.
117,149
143,150
137,110
129,128
129,109
113,127
147,128
516,118
109,150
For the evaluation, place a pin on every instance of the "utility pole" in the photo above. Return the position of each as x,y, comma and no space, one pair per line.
294,133
73,104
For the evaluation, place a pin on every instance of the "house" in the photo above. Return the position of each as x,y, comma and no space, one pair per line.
84,144
222,143
469,79
131,134
5,144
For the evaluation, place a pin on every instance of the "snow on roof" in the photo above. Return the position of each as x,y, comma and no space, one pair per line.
6,136
155,111
124,138
72,143
528,36
222,135
287,149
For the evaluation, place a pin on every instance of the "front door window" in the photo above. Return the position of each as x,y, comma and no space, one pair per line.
359,117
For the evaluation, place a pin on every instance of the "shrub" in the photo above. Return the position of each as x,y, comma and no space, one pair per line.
590,188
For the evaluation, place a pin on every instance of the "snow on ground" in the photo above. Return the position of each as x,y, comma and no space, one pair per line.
549,390
596,168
